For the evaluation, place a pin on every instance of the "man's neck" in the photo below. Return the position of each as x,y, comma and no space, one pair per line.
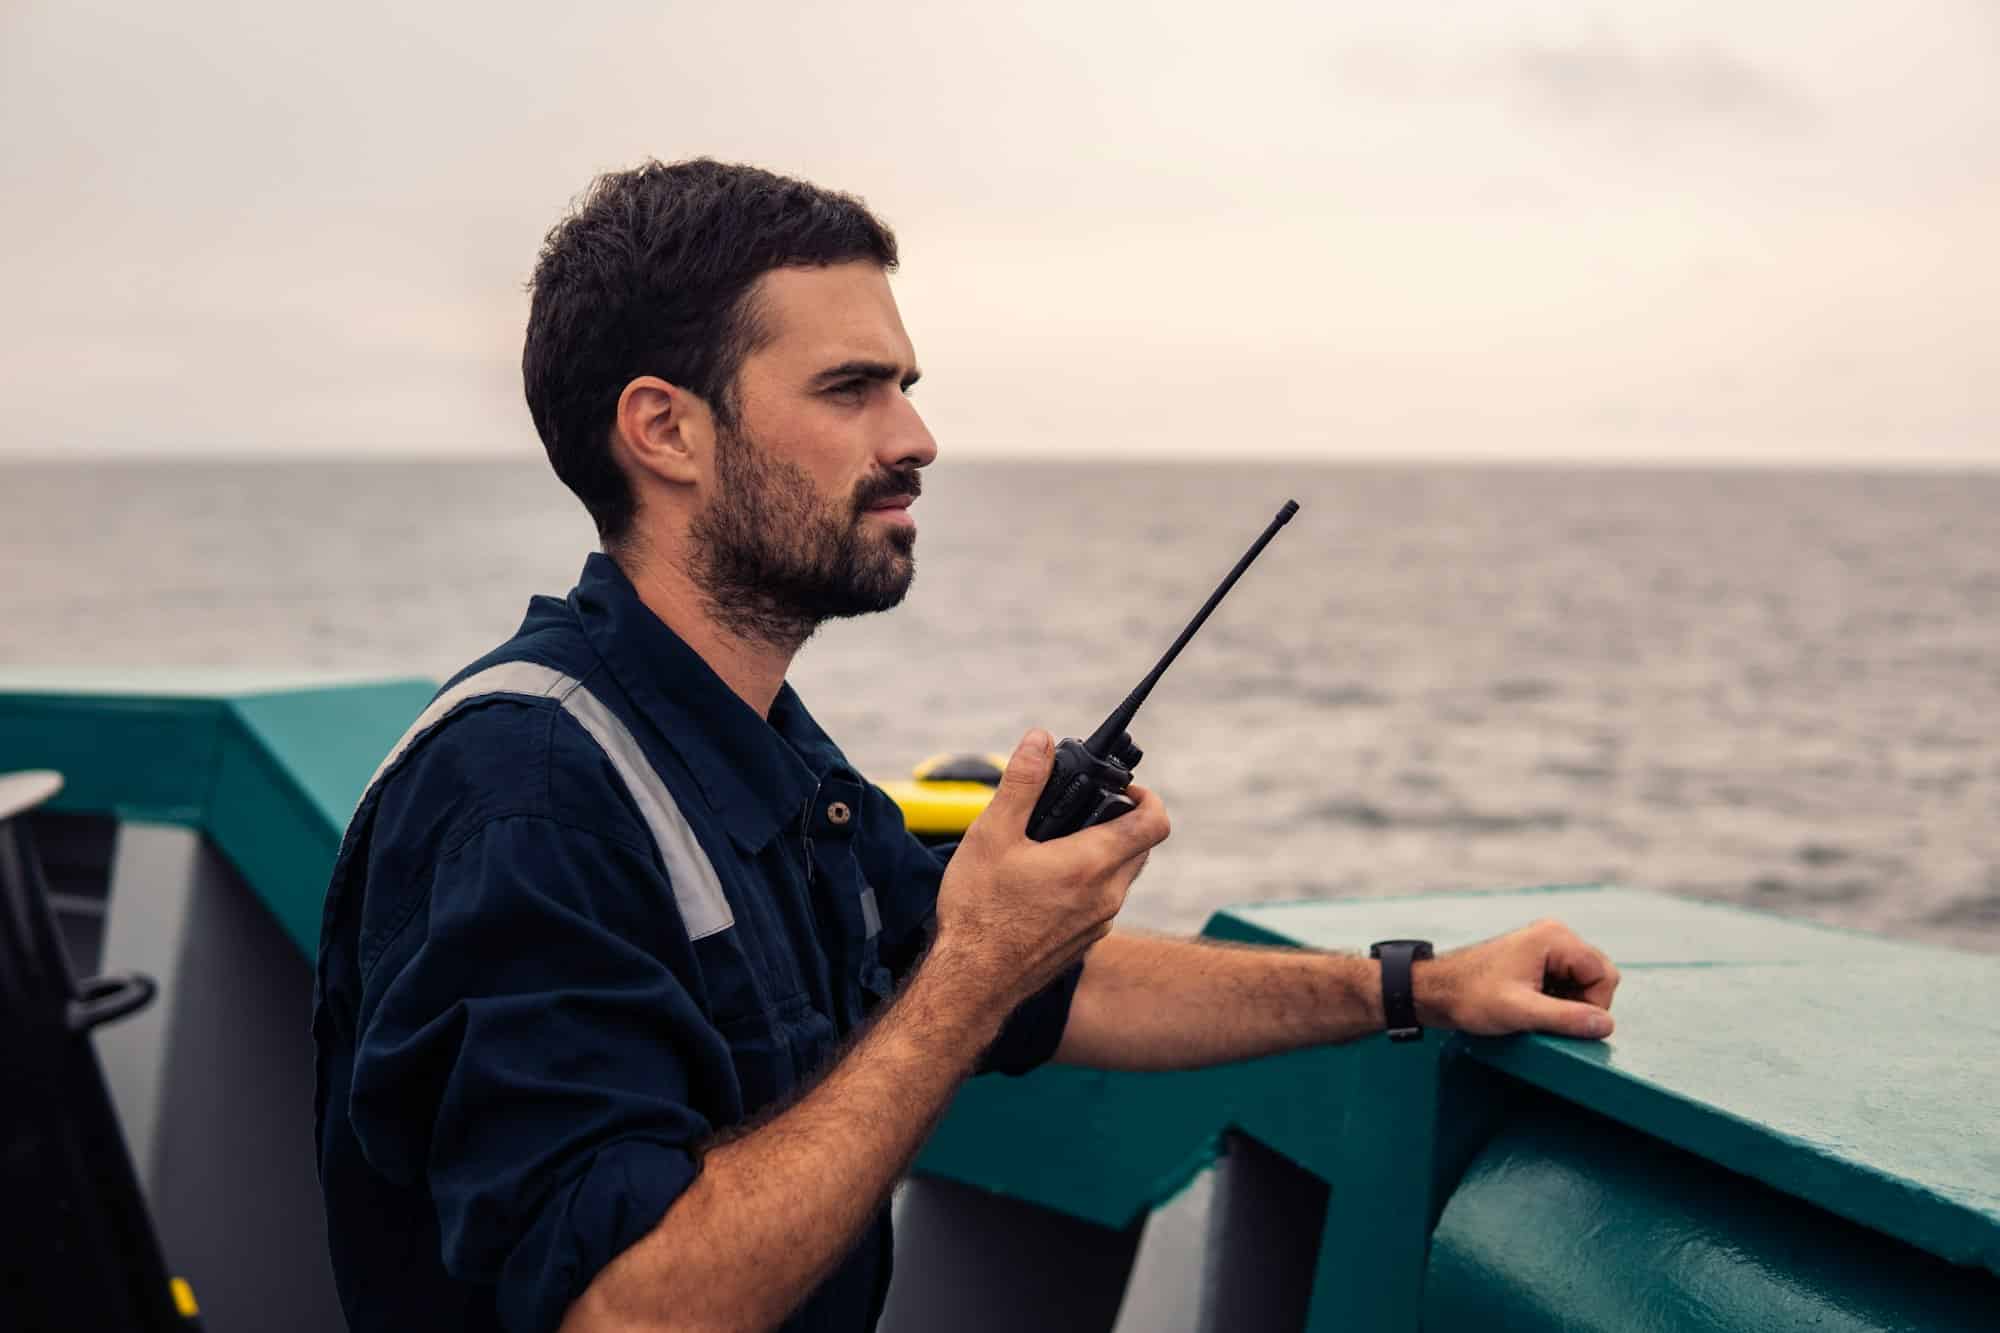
751,667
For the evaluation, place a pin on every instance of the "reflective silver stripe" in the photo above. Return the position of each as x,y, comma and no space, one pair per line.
871,915
697,889
529,678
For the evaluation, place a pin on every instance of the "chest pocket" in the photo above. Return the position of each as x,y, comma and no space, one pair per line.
778,1051
776,1038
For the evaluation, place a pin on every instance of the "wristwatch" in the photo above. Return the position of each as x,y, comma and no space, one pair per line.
1399,997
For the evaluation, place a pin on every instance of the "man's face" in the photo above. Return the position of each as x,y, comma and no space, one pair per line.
807,517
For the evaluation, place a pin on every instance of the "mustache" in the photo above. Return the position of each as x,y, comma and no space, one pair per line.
892,485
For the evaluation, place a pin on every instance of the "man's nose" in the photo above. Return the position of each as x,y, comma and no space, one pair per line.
909,442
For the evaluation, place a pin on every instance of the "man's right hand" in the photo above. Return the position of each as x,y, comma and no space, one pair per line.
1016,912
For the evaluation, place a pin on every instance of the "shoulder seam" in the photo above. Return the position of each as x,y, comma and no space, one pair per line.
644,849
387,937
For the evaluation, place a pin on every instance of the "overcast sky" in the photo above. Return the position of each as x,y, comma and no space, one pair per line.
1689,231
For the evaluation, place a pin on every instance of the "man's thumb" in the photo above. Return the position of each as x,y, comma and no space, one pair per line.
1027,773
1567,1018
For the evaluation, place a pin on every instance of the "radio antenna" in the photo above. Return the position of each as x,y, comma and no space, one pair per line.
1105,741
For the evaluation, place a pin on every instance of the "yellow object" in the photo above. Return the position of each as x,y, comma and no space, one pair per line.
945,807
183,1298
982,769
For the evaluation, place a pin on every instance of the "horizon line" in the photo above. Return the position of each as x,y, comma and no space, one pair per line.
1587,462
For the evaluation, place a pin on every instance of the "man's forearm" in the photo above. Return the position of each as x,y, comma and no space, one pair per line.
1150,1002
1147,1002
775,1209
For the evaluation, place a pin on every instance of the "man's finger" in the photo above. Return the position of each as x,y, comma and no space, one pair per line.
1131,834
1563,1018
1581,972
1021,784
1600,991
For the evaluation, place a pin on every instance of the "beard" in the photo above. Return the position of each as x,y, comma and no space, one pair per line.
775,559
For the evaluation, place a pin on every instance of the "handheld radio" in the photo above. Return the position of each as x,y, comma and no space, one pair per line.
1087,783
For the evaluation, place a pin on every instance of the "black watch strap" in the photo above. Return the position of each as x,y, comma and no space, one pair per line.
1399,996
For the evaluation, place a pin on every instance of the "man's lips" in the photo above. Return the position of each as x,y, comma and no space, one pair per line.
893,510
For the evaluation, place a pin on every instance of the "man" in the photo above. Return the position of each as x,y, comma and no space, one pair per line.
634,1000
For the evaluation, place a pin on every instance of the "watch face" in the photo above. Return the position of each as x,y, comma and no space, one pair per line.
1418,948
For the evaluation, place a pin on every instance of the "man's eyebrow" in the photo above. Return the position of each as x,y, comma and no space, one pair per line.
868,370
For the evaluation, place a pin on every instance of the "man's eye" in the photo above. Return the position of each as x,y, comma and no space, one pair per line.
849,389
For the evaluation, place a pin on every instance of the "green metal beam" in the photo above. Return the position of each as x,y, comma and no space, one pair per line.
269,776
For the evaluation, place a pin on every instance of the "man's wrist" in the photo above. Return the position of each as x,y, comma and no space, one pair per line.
1363,1011
1430,980
962,1004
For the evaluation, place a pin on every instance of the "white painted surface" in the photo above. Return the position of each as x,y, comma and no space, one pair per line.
155,869
20,792
1164,1292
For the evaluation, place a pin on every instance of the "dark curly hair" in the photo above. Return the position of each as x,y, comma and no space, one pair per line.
649,275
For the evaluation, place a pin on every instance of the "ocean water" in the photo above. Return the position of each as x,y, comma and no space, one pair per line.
1780,689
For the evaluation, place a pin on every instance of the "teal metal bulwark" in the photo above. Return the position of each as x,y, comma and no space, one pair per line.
269,775
1843,1076
1855,1075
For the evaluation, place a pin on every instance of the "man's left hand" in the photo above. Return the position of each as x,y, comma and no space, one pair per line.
1542,978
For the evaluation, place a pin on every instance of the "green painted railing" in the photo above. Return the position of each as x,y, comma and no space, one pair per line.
269,775
1856,1077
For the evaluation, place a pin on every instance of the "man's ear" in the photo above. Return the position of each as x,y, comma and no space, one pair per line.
665,431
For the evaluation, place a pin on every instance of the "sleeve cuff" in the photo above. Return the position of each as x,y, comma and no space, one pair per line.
590,1220
1033,1031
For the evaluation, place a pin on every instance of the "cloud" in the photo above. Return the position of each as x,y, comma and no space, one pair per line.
1598,79
1603,79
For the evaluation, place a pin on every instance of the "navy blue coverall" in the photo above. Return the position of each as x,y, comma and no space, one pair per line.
526,1027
